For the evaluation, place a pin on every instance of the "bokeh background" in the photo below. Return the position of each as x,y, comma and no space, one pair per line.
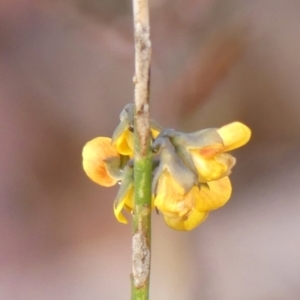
66,72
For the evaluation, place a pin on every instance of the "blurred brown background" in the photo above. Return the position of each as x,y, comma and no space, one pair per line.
66,72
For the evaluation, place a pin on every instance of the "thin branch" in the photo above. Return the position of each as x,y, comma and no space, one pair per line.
141,240
142,70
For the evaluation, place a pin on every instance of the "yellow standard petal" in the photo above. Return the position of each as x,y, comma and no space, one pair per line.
127,203
94,153
234,135
214,196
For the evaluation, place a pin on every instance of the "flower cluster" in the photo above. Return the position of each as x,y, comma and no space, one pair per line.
190,176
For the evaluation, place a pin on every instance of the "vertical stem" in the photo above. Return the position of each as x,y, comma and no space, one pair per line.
141,239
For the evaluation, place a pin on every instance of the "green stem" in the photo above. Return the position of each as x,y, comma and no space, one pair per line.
141,239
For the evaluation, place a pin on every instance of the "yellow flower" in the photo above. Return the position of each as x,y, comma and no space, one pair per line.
211,161
96,153
122,137
190,179
186,210
101,163
124,143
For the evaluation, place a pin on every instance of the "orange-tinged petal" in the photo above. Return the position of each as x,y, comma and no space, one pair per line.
210,151
94,153
124,144
234,135
214,196
212,168
127,202
193,220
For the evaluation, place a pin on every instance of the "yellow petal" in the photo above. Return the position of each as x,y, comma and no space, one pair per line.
177,206
193,220
154,132
127,202
212,168
234,135
124,144
215,196
119,215
169,195
94,153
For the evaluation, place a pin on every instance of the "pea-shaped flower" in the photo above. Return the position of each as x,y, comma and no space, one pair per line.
176,204
122,137
185,211
191,170
205,151
104,165
183,201
101,161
